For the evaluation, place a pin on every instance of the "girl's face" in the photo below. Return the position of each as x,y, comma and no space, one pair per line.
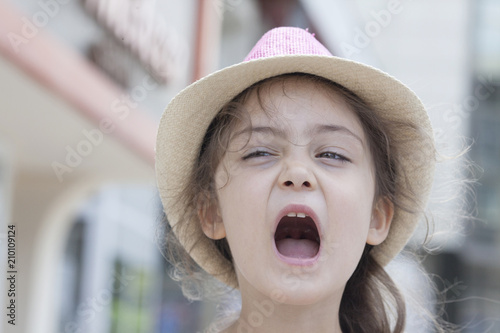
296,196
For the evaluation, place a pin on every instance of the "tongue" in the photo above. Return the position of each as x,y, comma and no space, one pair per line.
297,248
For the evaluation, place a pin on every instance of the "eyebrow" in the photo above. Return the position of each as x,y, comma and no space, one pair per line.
279,132
262,129
335,128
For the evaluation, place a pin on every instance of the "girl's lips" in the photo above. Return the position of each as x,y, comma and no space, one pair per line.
299,252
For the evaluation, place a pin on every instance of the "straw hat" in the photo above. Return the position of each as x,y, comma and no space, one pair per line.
279,51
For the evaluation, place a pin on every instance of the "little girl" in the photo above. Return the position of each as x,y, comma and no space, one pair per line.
295,177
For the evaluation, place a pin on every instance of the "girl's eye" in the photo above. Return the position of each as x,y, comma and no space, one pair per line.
258,153
333,156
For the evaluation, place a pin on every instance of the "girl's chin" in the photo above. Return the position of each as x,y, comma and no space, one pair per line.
298,293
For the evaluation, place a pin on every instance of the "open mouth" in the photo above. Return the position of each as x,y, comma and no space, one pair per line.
297,236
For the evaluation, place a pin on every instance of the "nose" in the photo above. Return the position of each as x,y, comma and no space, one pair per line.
297,176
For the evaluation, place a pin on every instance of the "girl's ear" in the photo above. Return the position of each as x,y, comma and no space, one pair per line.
210,219
382,214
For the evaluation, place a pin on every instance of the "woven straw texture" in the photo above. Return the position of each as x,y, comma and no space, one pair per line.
286,50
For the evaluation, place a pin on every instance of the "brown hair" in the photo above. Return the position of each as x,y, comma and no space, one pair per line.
370,292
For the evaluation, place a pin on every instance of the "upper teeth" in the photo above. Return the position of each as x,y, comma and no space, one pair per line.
292,214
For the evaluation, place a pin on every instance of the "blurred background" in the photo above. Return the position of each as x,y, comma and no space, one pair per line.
83,84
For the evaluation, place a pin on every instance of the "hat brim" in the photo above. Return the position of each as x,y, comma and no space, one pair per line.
187,117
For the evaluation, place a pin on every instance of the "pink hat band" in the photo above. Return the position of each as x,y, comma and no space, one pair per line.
287,41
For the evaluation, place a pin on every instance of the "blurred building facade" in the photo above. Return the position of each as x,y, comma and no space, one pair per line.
480,253
85,82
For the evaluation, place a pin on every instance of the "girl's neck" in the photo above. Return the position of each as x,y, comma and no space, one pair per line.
264,315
